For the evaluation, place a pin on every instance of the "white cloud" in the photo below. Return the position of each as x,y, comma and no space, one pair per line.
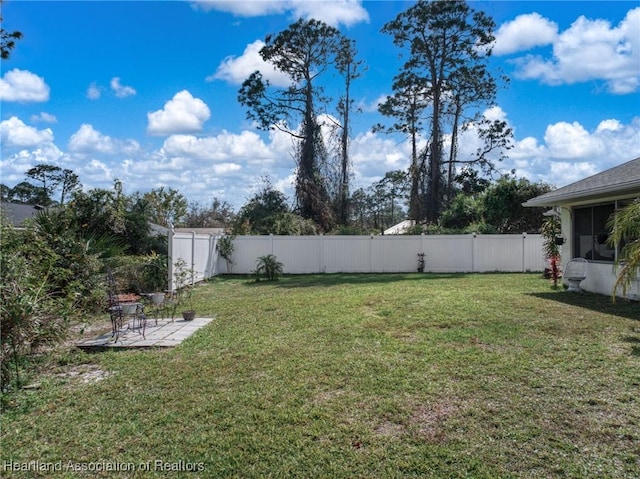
23,86
182,114
570,172
373,154
88,140
96,174
372,106
15,165
94,91
15,134
121,91
592,50
571,140
235,70
224,147
224,169
247,8
44,117
345,12
526,150
609,126
523,33
332,12
23,147
495,113
570,152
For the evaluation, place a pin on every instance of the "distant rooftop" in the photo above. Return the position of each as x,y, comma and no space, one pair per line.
17,213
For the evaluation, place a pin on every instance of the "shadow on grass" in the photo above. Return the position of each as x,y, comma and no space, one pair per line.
595,302
635,341
336,279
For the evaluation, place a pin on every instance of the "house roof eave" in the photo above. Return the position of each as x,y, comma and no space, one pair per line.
611,193
622,181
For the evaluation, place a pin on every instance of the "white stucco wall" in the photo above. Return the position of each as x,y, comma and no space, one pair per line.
600,279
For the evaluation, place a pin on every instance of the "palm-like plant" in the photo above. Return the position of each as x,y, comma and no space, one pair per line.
551,232
269,267
625,231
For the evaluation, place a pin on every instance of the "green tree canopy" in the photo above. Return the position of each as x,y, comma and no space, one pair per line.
268,213
7,38
445,80
503,208
304,52
165,206
217,214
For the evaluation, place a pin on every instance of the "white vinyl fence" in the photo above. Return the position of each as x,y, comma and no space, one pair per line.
363,254
197,250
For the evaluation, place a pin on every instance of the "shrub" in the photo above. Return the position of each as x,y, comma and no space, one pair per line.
269,267
184,281
30,314
155,272
127,272
225,248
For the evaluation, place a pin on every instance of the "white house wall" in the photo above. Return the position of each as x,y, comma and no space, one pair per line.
600,276
600,279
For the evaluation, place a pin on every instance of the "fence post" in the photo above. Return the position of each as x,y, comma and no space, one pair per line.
193,256
371,254
170,234
322,267
473,252
212,260
524,246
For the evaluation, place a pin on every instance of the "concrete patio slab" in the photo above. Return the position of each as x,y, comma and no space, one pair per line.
165,334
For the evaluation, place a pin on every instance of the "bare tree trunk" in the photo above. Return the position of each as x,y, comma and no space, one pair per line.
453,150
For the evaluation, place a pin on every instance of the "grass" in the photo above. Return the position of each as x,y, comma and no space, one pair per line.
358,376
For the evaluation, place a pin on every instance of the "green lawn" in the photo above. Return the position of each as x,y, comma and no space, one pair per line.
354,376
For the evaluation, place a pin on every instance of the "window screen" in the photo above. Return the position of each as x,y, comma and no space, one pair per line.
591,233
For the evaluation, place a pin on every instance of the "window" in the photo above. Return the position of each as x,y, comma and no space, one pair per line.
590,233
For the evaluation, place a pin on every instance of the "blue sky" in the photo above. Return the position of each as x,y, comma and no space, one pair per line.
146,92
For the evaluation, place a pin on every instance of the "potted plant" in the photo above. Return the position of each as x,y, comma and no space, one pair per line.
552,240
185,279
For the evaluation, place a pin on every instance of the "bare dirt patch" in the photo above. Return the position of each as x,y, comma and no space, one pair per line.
429,419
326,396
390,430
84,374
